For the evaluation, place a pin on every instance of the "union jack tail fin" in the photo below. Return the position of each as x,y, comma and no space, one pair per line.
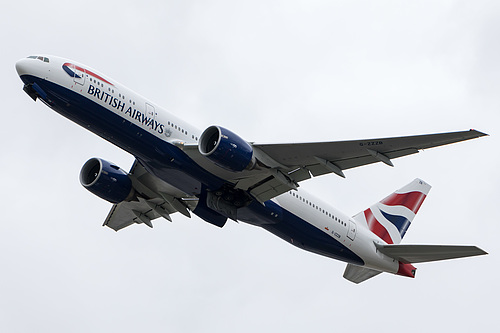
390,218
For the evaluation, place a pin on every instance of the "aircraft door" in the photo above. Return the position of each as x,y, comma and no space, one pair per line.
351,232
150,111
79,76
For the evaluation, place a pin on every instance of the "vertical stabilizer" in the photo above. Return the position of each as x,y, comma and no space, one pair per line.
391,217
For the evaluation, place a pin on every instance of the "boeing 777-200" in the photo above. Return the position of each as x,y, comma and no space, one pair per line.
217,175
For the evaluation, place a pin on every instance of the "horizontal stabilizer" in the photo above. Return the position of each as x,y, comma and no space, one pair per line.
409,253
359,274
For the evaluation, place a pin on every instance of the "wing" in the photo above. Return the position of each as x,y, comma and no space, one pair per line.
154,199
298,161
350,154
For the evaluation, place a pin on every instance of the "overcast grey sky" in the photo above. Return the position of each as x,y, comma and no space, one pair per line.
272,71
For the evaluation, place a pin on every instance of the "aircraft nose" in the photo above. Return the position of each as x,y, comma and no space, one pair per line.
37,66
23,66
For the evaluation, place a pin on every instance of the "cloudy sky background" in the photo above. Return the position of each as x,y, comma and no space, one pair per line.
272,71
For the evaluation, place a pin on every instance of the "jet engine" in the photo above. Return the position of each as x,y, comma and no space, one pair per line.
106,180
226,149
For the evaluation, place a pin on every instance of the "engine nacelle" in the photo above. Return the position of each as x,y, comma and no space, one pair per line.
106,180
226,149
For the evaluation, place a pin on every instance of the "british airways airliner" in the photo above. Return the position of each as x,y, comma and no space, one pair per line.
217,175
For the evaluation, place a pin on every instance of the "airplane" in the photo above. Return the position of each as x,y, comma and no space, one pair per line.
217,175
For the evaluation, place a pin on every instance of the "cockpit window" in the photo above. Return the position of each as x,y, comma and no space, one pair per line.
44,59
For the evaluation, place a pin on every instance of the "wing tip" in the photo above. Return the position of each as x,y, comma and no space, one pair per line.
479,133
481,252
